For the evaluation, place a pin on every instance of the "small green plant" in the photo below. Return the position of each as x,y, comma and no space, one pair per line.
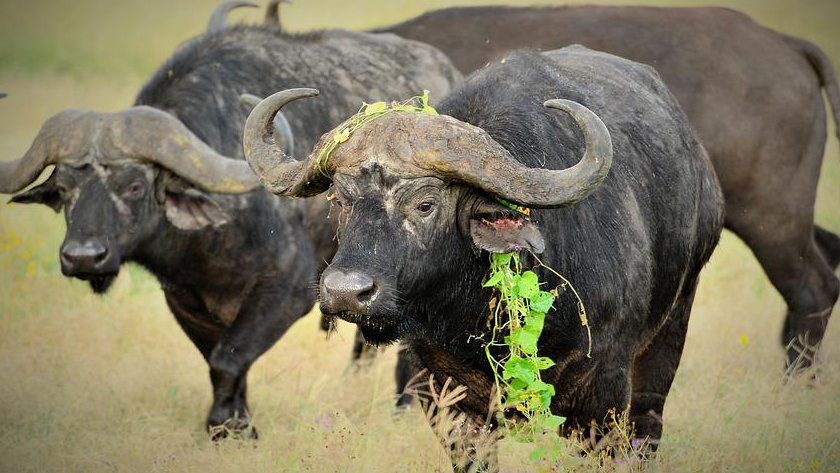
368,113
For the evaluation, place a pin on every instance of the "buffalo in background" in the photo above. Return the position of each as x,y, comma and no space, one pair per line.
416,199
753,96
163,183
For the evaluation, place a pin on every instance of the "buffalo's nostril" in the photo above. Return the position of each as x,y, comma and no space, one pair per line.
368,295
347,291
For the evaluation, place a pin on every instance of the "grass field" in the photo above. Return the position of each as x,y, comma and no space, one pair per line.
111,383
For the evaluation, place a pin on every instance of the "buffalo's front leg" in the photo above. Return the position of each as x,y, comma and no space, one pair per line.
271,307
229,413
265,316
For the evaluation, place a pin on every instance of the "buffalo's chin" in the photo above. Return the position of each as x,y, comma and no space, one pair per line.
380,336
99,283
377,330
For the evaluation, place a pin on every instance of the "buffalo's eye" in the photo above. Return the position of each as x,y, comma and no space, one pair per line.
425,207
134,190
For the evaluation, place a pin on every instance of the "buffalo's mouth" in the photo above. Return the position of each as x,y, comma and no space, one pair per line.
99,283
377,329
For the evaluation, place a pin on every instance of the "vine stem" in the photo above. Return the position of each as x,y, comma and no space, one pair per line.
584,320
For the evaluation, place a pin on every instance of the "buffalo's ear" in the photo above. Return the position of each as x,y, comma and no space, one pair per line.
45,193
498,229
190,209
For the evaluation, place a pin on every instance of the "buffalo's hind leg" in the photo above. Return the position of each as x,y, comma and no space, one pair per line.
829,245
774,214
654,370
797,265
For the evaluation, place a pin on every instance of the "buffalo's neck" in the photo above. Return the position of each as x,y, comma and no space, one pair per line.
200,260
454,315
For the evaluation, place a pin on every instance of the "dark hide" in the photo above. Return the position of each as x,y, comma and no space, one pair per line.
753,96
633,249
236,270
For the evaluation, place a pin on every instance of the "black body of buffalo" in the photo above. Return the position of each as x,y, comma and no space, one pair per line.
236,270
753,96
410,263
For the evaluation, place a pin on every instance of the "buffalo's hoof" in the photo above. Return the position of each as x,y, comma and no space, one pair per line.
232,429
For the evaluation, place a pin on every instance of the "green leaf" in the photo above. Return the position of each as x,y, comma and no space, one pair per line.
528,284
525,340
375,108
543,362
535,321
542,301
552,422
495,278
502,259
516,385
342,136
519,368
541,386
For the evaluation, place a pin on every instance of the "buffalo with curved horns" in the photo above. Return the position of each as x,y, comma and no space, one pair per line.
752,94
164,183
630,224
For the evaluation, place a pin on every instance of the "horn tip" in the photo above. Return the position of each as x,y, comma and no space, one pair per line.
561,104
250,99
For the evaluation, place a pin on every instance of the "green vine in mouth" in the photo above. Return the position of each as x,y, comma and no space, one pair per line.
519,307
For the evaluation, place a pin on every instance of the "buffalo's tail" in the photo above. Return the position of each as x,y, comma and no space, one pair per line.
825,71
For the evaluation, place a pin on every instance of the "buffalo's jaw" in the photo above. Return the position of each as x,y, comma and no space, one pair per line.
377,329
101,283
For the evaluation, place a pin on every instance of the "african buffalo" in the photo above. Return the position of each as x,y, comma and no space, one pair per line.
753,96
418,215
163,183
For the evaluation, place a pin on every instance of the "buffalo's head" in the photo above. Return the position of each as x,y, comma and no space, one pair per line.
416,196
118,176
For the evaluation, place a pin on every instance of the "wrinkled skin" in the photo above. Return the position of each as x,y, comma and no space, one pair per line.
236,270
754,97
413,247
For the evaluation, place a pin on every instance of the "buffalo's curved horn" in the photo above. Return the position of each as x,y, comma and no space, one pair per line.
250,99
544,188
219,15
278,172
61,135
149,134
282,128
141,133
272,13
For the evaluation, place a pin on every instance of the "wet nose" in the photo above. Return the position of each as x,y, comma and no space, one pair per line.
83,257
349,291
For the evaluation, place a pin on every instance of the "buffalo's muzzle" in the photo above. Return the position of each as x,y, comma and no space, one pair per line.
89,257
350,291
